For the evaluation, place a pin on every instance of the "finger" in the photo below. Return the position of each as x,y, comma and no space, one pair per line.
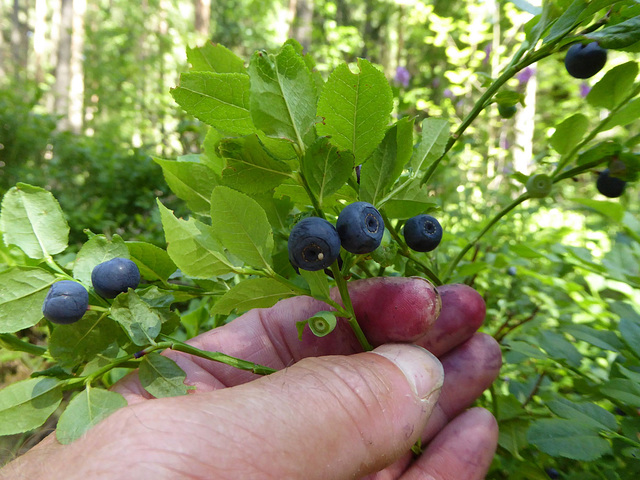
463,312
469,370
349,416
464,449
269,336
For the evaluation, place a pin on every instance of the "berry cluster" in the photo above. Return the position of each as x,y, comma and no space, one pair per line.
314,243
67,301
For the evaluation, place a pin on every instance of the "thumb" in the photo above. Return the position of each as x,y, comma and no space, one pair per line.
325,417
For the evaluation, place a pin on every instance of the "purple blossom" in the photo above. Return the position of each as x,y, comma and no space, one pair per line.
448,93
402,76
487,54
585,88
525,75
435,83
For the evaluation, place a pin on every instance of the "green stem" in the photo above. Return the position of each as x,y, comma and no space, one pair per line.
346,299
451,267
622,438
11,342
316,205
51,262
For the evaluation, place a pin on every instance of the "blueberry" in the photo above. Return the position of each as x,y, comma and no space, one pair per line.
552,473
512,271
422,233
584,61
313,244
539,185
507,111
65,303
115,276
360,227
609,186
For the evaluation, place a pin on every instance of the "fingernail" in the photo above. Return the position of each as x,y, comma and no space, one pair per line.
421,368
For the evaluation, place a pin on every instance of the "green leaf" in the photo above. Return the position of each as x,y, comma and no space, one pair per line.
318,284
283,96
153,262
242,226
605,339
161,376
27,404
325,168
413,200
586,413
626,115
96,250
218,99
252,293
250,168
567,21
32,219
73,344
141,322
569,133
567,438
355,108
614,87
211,156
22,292
85,410
618,36
559,347
386,162
213,57
433,140
610,209
630,333
191,181
513,436
622,390
192,246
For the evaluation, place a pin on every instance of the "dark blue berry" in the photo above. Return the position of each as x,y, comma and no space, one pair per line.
360,227
552,473
313,244
609,186
584,61
115,276
511,271
422,233
66,302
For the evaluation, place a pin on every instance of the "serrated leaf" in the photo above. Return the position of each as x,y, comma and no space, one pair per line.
210,146
73,344
96,250
252,293
413,200
585,413
32,219
250,168
213,57
85,410
283,96
192,247
161,376
220,100
630,333
513,436
22,292
242,226
569,133
614,86
433,140
618,36
141,322
604,339
318,284
153,262
567,438
355,108
622,390
325,168
27,404
190,181
559,347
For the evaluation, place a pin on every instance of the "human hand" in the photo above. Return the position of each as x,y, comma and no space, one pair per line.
333,413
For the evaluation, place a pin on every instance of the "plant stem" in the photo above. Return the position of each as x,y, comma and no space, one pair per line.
451,267
346,299
13,343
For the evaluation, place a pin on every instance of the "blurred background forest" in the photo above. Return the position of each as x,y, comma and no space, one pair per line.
85,103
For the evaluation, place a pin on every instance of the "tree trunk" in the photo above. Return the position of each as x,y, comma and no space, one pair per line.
524,127
54,32
203,16
63,67
19,42
39,38
302,21
76,93
3,56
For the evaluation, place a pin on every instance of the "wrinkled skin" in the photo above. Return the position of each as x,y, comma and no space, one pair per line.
330,412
